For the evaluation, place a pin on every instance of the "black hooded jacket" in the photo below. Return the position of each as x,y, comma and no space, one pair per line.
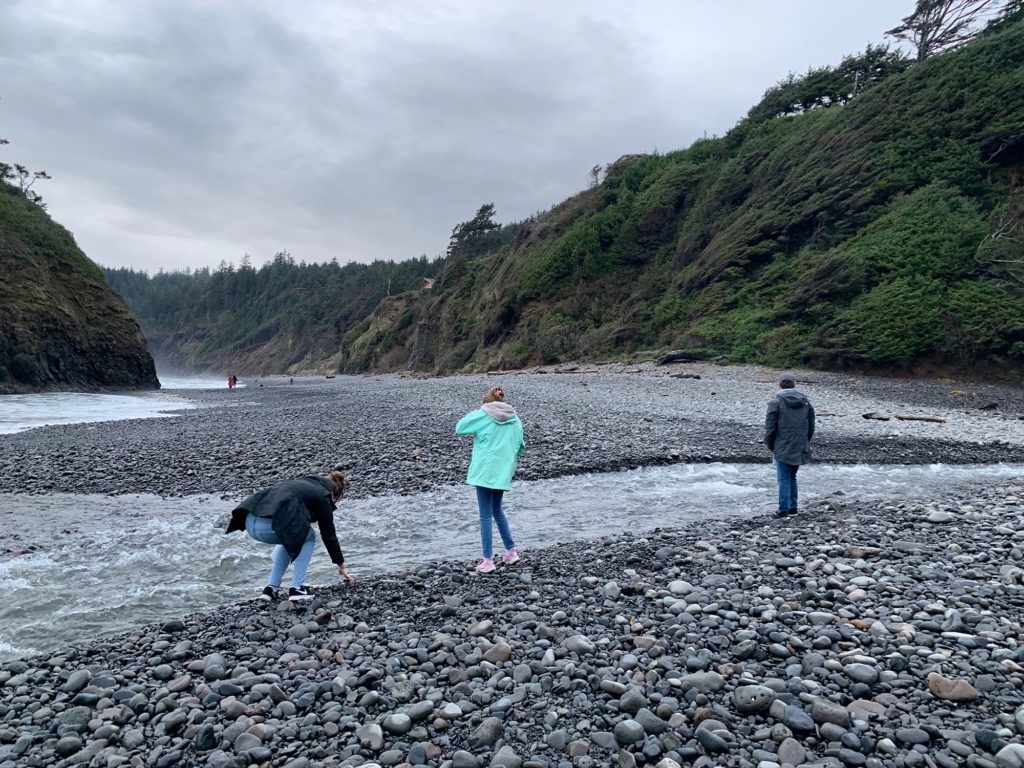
292,506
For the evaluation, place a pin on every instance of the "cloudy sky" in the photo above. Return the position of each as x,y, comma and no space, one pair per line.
181,133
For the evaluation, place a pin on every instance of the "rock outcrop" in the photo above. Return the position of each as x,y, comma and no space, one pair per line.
61,326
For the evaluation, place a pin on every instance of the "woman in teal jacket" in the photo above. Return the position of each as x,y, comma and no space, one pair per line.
497,443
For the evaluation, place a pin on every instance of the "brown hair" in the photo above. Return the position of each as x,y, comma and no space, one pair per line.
495,395
338,482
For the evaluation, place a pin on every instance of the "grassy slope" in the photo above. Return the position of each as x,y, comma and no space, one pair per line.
856,235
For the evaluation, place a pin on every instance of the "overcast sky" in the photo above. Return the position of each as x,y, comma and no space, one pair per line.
180,134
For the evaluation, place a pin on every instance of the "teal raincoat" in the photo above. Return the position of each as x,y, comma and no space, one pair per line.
498,442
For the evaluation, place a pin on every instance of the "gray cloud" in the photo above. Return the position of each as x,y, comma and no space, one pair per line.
183,133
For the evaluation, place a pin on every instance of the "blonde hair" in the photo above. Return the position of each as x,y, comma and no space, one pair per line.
495,395
338,482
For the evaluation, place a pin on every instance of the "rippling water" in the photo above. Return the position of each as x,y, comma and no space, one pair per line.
110,563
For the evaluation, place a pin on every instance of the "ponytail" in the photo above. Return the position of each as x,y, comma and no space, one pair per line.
338,482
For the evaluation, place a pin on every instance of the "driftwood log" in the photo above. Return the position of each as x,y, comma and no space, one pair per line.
682,356
882,416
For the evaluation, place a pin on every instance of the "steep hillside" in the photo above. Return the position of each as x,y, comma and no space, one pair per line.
883,231
61,327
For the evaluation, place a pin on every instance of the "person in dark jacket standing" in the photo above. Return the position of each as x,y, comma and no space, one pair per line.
788,429
283,515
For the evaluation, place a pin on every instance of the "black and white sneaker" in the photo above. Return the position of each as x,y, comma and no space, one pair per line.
268,593
299,594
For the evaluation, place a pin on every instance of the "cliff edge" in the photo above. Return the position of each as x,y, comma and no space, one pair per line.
61,326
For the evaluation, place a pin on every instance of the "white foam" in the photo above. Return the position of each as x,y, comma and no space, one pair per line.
21,412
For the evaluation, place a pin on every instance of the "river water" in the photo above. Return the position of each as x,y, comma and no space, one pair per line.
103,564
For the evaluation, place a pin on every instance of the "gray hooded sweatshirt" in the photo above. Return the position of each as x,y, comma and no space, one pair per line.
789,426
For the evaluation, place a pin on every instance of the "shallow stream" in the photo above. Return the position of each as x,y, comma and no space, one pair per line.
92,565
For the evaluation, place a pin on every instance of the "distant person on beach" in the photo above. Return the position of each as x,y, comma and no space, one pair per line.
788,429
283,515
497,444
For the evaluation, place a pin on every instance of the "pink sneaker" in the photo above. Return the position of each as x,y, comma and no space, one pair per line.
486,565
510,556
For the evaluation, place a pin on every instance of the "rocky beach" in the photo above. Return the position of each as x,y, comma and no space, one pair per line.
857,634
395,434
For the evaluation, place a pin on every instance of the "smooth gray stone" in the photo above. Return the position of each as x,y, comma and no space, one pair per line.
579,644
174,721
792,751
1010,756
604,739
861,673
705,682
77,681
557,739
522,673
651,723
833,732
397,723
628,732
420,710
506,758
825,711
711,741
246,741
794,717
371,735
912,736
613,687
578,748
68,745
632,700
464,759
498,653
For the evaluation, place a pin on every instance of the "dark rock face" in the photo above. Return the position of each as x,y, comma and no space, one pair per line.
61,326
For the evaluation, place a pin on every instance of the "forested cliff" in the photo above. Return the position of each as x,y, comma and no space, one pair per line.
866,216
61,327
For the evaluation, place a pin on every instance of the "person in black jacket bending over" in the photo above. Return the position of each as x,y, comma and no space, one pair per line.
788,429
283,515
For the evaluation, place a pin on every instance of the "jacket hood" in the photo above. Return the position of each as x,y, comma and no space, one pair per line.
500,412
794,398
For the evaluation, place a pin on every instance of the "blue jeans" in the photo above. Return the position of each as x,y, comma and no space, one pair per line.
787,485
262,529
489,500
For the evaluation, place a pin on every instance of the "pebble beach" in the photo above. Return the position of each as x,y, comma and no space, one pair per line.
854,634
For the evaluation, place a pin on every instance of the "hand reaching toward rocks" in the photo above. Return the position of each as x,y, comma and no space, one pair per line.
343,571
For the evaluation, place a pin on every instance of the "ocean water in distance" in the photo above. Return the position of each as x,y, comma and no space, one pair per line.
21,412
83,565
